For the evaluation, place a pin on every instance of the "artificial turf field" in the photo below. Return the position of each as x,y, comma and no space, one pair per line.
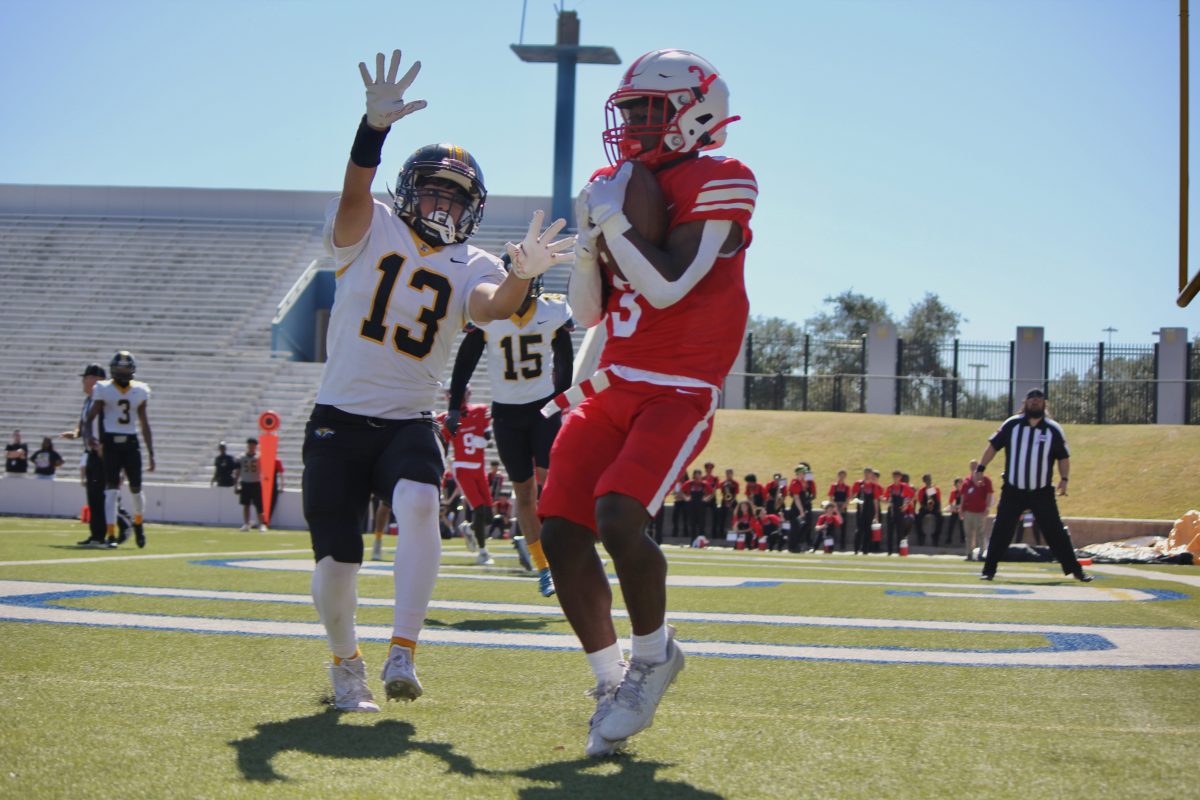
195,668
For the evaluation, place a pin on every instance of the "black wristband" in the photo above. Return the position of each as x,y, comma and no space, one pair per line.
981,468
367,151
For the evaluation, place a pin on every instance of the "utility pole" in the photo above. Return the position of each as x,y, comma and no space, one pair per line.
978,368
566,53
1110,330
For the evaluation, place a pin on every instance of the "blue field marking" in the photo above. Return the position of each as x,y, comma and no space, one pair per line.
1067,647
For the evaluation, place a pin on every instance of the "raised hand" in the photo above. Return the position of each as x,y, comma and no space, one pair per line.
385,96
536,253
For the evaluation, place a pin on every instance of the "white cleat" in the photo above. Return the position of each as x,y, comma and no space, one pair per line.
469,537
350,690
377,550
400,675
639,693
484,560
244,527
597,746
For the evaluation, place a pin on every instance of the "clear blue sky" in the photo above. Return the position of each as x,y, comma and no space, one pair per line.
1018,158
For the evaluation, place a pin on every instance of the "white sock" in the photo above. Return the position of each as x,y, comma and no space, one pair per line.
139,504
110,505
652,647
418,553
608,664
335,594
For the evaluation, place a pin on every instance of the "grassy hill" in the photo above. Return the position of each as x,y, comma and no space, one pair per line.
1119,471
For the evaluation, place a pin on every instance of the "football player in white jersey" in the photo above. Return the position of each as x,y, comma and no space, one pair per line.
407,282
121,400
530,360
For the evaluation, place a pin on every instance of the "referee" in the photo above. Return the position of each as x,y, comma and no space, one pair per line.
1033,444
93,466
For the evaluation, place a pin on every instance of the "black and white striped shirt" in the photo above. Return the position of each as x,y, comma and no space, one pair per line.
1032,451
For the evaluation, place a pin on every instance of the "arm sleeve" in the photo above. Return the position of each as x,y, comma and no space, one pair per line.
464,365
1058,448
1000,437
657,290
564,360
585,292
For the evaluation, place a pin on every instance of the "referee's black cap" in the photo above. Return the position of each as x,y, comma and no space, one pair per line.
1032,393
93,369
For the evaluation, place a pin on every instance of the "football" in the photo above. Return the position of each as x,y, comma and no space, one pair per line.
645,208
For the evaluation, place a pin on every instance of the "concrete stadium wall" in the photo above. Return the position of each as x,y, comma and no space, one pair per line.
175,503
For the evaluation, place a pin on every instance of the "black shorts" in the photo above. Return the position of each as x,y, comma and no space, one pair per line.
348,457
251,494
121,452
524,437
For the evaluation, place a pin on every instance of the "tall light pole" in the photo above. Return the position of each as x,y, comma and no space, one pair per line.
1110,330
978,368
566,52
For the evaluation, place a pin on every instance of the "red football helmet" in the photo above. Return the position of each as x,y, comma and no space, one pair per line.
670,102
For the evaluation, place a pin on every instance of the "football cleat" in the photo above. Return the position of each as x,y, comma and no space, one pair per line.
377,550
639,693
139,535
545,582
597,746
91,543
523,553
468,537
484,560
400,675
350,690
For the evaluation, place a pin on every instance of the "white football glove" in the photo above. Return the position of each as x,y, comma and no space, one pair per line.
585,240
605,197
385,97
536,253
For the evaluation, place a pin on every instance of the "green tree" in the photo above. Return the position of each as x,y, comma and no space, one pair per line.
838,332
776,346
930,323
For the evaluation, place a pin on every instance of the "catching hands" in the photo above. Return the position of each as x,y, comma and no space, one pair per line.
605,197
385,97
536,253
453,420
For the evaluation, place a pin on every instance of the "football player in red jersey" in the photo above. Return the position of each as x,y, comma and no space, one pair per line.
675,324
469,429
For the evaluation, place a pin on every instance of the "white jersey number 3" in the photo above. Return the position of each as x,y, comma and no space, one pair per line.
625,321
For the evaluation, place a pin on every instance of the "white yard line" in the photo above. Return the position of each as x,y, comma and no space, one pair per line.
1068,647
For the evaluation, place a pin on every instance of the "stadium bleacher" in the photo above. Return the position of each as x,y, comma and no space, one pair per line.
192,296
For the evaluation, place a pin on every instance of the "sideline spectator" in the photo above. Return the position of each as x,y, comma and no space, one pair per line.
773,489
828,523
976,498
954,514
839,493
249,484
744,521
869,493
803,490
695,492
46,460
711,484
929,502
16,455
495,478
224,467
770,527
899,496
729,492
754,491
92,467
